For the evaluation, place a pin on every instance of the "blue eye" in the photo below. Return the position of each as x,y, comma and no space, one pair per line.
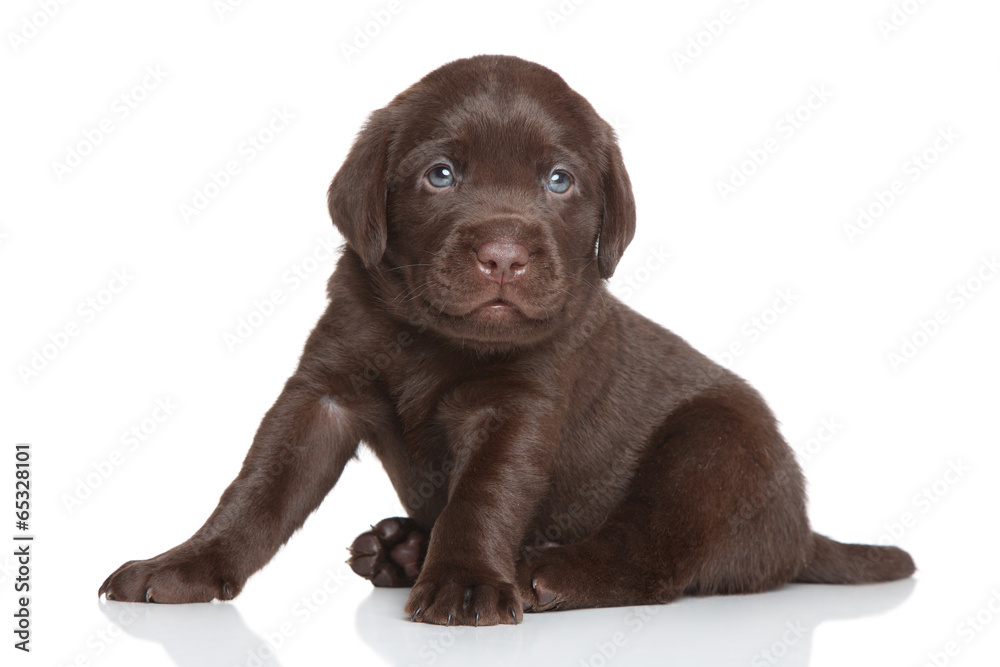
441,177
559,182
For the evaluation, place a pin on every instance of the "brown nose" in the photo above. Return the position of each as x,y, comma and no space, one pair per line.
503,261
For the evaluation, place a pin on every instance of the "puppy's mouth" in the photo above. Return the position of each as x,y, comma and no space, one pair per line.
498,311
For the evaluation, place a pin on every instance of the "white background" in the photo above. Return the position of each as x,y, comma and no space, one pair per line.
893,430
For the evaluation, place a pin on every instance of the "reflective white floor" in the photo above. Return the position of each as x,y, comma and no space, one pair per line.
754,630
307,609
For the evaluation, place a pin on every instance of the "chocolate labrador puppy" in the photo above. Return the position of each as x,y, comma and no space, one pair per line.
553,448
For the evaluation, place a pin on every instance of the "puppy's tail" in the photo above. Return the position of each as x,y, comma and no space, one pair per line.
831,562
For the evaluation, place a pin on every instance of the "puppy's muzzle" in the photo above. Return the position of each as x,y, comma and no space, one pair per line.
503,262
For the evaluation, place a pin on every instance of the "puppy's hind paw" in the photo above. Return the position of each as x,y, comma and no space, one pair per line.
391,553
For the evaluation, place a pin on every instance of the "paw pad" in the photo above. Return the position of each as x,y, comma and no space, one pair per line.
391,553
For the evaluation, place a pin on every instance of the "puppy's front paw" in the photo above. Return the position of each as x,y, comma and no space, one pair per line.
455,596
179,575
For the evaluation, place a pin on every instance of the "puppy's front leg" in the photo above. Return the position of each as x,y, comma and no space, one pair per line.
503,458
300,449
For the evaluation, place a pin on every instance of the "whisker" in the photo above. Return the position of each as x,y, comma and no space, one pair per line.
405,266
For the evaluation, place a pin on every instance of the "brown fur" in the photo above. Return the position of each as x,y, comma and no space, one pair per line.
557,450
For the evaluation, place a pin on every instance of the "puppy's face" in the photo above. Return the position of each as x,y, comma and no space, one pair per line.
489,195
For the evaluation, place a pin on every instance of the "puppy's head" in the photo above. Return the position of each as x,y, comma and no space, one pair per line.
489,195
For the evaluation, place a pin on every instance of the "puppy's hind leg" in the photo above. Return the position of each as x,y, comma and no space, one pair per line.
716,506
391,553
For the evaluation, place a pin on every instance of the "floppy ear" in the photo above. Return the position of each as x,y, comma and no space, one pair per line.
358,192
618,220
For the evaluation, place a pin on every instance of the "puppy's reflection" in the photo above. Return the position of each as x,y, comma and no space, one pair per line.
194,635
759,630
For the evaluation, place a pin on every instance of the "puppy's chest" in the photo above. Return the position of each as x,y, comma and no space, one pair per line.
447,408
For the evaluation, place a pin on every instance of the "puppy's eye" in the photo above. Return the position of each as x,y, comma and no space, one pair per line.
559,182
441,177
